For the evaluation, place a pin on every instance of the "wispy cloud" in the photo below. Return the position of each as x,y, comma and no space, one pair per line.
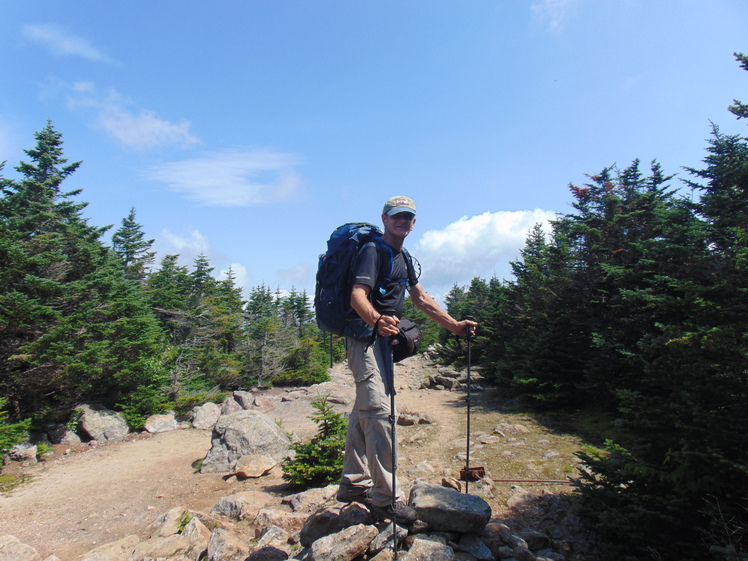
129,124
187,245
62,43
479,246
555,13
232,178
299,276
241,275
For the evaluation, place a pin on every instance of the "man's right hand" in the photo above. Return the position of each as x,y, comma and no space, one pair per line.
387,325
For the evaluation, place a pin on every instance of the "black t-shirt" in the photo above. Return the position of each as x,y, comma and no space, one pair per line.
387,291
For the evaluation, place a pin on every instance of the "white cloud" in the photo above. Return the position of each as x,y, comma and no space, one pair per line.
188,246
299,276
128,124
479,246
554,12
62,43
232,178
241,275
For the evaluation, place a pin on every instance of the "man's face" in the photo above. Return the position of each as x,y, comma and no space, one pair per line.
400,224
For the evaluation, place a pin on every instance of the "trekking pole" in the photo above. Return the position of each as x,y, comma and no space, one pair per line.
331,338
390,365
468,474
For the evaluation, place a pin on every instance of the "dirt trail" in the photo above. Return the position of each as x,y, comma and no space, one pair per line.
77,501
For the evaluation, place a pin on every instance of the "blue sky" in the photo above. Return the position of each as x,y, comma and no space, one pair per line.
248,130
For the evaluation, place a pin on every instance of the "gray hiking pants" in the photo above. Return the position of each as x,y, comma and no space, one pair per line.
369,453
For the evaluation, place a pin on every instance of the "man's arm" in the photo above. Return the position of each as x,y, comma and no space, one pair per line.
428,306
360,302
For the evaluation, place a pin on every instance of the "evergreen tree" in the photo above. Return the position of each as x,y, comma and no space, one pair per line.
70,327
168,289
680,354
740,110
132,249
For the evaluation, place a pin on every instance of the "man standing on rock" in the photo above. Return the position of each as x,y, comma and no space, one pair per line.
370,452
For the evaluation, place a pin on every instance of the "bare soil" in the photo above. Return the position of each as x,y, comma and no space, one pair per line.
84,497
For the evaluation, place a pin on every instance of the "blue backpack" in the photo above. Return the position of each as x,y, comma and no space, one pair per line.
332,294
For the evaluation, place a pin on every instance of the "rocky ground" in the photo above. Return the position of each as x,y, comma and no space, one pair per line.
89,495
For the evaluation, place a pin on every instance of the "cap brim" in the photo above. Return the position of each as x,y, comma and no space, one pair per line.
398,210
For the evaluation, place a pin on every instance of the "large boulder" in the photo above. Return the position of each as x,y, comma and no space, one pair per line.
447,510
102,424
160,423
244,433
205,416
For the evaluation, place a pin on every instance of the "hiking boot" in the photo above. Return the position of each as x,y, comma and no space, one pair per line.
404,515
353,494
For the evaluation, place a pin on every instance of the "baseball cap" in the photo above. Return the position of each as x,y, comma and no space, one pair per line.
399,204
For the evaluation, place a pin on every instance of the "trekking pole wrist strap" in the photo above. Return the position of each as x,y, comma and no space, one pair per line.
374,331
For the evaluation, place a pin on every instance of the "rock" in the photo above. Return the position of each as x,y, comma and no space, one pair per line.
230,405
160,423
240,506
170,522
273,545
472,544
447,383
24,452
383,541
535,540
289,521
353,514
423,469
495,535
101,424
483,488
264,404
309,500
507,428
249,467
12,549
161,547
322,523
114,551
445,509
521,498
205,416
60,434
452,483
345,545
244,399
269,553
430,549
198,536
226,546
406,420
240,434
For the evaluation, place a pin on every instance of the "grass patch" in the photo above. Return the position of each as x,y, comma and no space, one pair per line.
10,482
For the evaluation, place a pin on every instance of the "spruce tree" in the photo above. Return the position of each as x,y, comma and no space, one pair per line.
71,328
132,249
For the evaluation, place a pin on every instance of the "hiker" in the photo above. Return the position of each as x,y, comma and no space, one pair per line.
371,450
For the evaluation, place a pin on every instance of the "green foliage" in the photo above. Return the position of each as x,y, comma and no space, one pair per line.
320,461
140,404
43,448
72,326
634,306
132,249
10,433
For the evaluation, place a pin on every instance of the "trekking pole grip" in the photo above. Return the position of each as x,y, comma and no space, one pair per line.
468,333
